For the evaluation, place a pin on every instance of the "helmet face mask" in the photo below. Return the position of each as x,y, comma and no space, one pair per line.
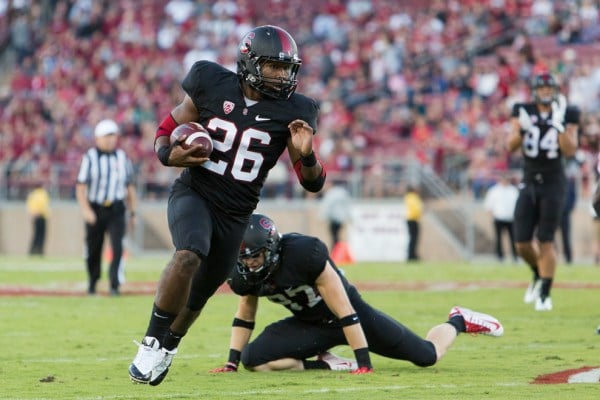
262,48
544,88
260,239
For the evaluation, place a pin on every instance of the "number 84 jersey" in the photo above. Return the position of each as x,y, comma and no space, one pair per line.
540,148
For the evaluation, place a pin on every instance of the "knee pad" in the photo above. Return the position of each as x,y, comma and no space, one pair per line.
427,356
247,358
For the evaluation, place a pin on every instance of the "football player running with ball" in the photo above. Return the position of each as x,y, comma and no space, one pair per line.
252,117
546,131
295,270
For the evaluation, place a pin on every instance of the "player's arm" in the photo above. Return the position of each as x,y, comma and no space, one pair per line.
173,155
515,137
308,167
332,290
569,140
131,197
81,190
566,121
241,330
131,200
521,123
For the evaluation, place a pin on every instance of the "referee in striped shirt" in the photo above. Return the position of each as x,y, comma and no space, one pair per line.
105,190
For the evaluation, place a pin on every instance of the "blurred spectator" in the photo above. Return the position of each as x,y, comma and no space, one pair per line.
335,209
277,185
38,206
22,36
506,76
572,171
500,201
542,12
387,69
480,173
414,211
167,34
179,10
486,80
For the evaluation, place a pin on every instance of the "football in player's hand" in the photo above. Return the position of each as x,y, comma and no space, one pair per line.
196,135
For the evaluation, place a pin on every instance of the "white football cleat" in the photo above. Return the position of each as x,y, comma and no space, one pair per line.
337,363
533,292
161,368
476,322
543,305
148,355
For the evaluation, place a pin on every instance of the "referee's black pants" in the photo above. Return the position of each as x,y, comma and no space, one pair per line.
109,220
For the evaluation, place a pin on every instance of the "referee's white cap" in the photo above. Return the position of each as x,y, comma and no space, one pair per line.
106,127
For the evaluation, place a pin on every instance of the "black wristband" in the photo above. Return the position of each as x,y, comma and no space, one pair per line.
310,160
229,366
363,359
243,324
234,357
163,154
348,320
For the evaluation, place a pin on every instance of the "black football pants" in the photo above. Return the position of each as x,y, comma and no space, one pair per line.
293,338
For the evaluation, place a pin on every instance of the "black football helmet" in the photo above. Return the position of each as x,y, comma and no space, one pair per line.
268,43
544,80
261,236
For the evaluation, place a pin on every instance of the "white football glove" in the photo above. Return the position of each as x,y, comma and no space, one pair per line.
524,120
559,108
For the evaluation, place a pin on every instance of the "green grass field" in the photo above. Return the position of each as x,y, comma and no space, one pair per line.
79,347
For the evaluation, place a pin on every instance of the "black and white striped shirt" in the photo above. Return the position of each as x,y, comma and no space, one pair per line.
106,175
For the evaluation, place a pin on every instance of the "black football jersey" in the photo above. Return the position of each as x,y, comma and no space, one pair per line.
293,284
247,140
540,148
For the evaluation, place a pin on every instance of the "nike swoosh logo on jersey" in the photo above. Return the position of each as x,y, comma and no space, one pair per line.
259,118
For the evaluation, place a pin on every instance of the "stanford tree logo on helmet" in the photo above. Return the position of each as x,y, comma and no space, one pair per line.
261,236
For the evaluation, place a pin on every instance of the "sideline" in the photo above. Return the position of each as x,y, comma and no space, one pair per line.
148,288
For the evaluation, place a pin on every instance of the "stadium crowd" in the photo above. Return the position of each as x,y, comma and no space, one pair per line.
430,81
